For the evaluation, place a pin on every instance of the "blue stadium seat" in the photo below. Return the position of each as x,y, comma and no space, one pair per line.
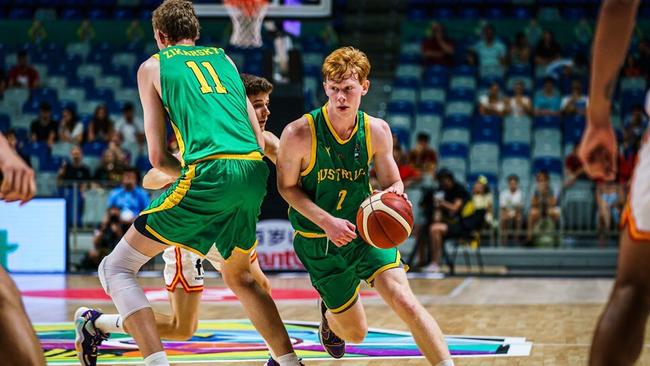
95,148
547,122
520,70
442,13
489,121
436,70
71,14
430,107
4,123
44,93
52,164
103,94
434,81
464,70
552,165
39,153
516,150
486,134
467,95
457,121
400,106
454,150
406,82
403,135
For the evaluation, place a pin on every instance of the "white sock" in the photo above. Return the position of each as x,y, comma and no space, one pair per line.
110,323
290,359
157,359
448,362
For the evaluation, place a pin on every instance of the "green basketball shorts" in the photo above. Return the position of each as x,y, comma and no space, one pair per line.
336,273
213,202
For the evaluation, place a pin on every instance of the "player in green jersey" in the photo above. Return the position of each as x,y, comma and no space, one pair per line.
213,204
324,178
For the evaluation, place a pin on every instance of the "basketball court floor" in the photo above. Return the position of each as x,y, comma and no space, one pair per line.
493,319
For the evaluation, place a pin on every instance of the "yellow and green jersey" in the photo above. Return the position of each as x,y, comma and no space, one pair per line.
206,102
337,178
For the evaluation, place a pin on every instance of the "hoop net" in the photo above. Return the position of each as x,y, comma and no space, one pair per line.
247,17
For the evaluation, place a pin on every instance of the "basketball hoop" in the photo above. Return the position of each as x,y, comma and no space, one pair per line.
246,17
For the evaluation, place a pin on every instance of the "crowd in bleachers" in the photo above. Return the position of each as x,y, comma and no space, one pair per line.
511,111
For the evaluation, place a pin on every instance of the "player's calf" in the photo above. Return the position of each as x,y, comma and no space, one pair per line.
179,330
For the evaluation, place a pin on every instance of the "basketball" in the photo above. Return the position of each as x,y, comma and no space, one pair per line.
385,220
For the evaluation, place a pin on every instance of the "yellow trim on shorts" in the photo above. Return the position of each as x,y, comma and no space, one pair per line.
179,141
169,242
385,268
366,127
348,303
178,194
314,144
253,155
245,251
333,131
309,235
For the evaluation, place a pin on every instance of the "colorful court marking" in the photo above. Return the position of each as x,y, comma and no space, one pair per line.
158,294
236,340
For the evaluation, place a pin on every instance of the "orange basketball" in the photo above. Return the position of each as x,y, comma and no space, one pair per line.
385,220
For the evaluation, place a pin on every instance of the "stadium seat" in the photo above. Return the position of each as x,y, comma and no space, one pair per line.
96,204
409,71
453,150
547,122
457,165
548,135
457,121
578,206
552,165
547,149
486,134
16,96
431,122
405,94
516,150
430,107
633,84
459,108
95,148
528,82
89,70
455,136
400,106
433,95
462,82
518,166
400,120
46,183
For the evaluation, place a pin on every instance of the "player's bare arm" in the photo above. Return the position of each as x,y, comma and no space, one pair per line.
385,165
598,147
271,146
154,119
291,161
18,179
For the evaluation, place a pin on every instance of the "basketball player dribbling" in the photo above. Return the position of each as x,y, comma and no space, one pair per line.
618,338
324,178
220,185
183,268
18,343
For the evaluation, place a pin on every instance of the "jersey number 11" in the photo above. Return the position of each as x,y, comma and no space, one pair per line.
205,88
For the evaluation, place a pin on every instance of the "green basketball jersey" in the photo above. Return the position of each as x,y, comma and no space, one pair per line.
337,176
206,102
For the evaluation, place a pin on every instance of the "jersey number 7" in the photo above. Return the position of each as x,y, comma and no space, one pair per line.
205,88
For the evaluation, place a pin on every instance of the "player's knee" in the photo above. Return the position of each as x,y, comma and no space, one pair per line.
265,284
633,293
356,334
404,301
182,330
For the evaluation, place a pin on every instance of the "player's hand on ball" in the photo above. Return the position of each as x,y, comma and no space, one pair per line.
399,192
340,231
18,182
598,152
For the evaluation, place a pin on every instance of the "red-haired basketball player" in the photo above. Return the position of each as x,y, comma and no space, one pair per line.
618,339
18,342
323,166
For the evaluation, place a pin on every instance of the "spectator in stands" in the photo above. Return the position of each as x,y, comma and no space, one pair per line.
71,130
44,127
76,170
423,157
12,140
491,51
111,168
519,104
407,172
610,199
627,154
533,31
470,58
105,239
573,169
437,48
86,32
544,209
583,32
547,50
447,219
134,33
547,101
130,199
520,50
632,68
636,123
122,156
100,127
23,75
36,32
493,104
483,206
511,202
131,127
576,102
